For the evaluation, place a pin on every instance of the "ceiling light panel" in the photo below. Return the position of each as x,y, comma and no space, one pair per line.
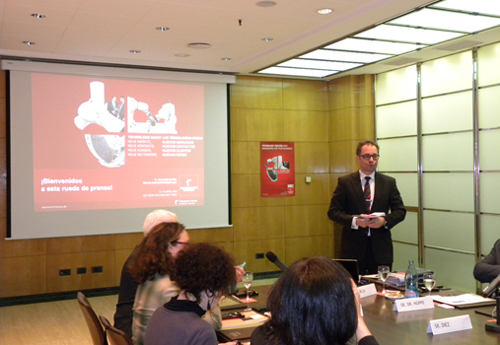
337,55
319,64
446,20
406,34
491,7
297,72
371,46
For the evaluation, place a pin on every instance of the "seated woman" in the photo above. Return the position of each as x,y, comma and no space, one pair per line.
204,273
314,302
151,268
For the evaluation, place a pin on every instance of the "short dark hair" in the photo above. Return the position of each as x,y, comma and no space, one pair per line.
312,303
363,143
204,267
153,256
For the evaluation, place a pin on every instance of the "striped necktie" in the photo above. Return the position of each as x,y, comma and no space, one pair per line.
367,193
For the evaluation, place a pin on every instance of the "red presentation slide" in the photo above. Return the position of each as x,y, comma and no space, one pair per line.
106,143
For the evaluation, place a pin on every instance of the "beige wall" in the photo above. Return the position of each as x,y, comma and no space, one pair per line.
324,120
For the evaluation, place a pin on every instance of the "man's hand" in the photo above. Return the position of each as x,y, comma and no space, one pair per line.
362,222
376,223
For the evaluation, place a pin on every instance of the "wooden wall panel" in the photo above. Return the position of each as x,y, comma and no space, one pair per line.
253,223
307,220
305,94
343,157
211,235
245,157
300,247
256,92
310,157
305,125
352,123
127,241
256,124
22,275
80,244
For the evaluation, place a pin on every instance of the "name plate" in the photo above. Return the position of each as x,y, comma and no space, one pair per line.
450,324
411,304
367,290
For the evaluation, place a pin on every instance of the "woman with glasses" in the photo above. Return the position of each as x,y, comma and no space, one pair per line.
314,302
151,268
204,273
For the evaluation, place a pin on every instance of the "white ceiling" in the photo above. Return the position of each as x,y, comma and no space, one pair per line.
104,31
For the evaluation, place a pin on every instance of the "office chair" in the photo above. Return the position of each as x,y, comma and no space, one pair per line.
114,335
95,327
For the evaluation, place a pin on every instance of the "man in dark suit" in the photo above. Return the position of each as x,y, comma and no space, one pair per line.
489,268
367,238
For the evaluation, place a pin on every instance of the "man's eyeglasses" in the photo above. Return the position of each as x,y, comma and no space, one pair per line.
367,157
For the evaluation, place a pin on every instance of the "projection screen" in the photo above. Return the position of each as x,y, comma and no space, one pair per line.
93,150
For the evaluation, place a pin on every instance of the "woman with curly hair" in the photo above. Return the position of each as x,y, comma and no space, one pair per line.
204,273
151,268
314,302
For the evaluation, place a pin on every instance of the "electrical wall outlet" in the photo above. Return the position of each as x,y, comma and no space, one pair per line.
97,269
259,255
81,270
65,272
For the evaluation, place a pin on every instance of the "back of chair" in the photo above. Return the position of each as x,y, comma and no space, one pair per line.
115,336
95,327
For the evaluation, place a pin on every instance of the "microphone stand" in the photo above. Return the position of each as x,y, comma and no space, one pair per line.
494,326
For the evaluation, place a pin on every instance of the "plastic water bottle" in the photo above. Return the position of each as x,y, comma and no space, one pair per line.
411,280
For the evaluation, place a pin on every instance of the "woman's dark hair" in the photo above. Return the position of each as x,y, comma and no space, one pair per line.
312,303
204,267
153,256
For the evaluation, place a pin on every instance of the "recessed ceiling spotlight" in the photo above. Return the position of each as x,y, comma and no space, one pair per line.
29,43
266,3
182,55
38,15
226,59
325,11
162,28
135,51
267,39
199,45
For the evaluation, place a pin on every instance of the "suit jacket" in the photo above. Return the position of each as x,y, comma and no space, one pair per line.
348,201
489,268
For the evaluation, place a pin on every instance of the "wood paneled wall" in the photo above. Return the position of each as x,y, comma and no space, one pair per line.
324,120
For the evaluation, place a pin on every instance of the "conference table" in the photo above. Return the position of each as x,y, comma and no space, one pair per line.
401,328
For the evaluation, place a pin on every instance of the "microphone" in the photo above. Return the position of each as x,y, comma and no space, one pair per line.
490,288
274,259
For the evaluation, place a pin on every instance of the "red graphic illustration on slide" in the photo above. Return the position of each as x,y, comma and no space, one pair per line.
98,144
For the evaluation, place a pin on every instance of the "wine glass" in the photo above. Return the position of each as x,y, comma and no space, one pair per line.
247,281
383,274
429,281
